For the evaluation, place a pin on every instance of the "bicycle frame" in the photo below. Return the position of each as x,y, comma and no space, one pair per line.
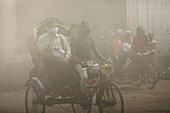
96,87
100,83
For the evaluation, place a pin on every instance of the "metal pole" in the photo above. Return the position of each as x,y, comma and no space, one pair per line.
137,12
147,16
128,14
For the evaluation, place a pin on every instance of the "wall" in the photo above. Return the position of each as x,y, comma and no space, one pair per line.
154,16
7,37
7,29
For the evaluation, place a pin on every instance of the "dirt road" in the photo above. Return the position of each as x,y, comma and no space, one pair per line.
137,100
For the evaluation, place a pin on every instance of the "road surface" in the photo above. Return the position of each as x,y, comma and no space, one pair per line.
137,100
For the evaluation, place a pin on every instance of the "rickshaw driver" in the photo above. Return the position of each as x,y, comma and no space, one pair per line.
81,51
56,54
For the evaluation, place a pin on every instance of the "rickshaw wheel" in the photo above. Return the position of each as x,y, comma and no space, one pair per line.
136,76
110,99
68,107
82,107
149,77
156,70
137,79
34,99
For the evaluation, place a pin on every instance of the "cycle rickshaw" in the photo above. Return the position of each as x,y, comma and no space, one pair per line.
139,68
37,97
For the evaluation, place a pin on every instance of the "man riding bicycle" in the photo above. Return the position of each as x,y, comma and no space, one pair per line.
140,41
81,51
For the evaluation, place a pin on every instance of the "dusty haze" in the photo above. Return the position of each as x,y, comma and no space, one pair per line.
103,15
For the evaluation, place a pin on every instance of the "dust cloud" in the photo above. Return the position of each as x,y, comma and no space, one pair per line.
103,15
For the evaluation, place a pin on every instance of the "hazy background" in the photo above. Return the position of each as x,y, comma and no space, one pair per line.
15,61
103,15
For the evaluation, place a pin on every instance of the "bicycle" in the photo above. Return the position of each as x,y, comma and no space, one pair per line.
155,65
143,70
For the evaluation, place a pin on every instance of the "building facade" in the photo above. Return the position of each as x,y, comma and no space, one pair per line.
8,40
154,16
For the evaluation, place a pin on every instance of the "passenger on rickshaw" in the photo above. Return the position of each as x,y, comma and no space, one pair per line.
81,51
72,33
116,49
152,44
56,53
126,42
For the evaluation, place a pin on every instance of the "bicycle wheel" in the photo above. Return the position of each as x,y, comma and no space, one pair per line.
149,76
136,79
34,99
156,70
110,99
82,107
65,106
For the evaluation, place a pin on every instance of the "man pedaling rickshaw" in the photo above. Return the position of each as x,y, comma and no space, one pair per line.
81,51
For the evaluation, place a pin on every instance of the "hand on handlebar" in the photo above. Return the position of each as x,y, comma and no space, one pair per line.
109,61
66,60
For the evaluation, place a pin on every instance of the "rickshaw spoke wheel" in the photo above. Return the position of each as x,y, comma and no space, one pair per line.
156,70
110,99
34,99
137,79
150,76
65,106
82,107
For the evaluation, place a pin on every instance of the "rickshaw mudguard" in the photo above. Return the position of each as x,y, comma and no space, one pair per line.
35,79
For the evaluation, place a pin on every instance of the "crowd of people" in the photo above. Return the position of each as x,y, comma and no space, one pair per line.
123,41
72,50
